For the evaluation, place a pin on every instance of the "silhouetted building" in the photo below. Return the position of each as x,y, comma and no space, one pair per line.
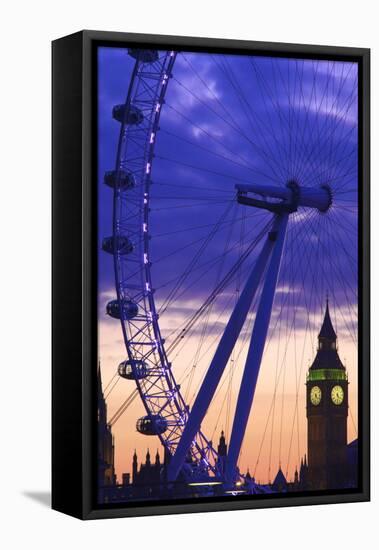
125,480
135,467
222,451
105,443
330,462
303,474
147,479
279,485
327,410
352,463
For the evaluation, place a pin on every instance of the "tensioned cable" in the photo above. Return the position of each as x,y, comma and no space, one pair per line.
195,227
342,280
272,331
239,131
328,138
173,293
317,130
195,187
218,141
125,405
246,336
307,158
298,376
222,285
233,362
329,171
222,118
211,92
206,149
176,207
184,334
209,311
330,281
222,143
267,156
268,114
212,261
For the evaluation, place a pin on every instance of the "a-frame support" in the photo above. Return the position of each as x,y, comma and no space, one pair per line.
225,347
281,201
254,356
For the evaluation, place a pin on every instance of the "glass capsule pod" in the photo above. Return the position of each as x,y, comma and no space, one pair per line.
146,56
121,245
133,369
151,425
133,115
120,178
128,310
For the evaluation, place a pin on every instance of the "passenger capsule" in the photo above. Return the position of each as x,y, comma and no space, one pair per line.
146,56
121,245
151,425
132,116
129,309
133,369
119,178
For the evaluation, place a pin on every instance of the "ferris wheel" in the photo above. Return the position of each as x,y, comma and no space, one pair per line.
242,207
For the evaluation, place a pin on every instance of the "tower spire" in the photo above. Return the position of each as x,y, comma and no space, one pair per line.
157,458
99,381
222,446
327,331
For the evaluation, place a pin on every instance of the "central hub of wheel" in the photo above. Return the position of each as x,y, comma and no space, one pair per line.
285,199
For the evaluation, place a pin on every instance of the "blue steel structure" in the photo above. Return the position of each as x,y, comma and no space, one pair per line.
147,363
290,199
193,457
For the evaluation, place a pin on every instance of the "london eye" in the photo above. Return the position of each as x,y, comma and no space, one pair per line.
234,215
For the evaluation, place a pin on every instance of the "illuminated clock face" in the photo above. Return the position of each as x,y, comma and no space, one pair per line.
337,395
315,395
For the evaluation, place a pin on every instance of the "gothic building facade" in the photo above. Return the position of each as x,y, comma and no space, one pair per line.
327,411
331,463
105,444
148,477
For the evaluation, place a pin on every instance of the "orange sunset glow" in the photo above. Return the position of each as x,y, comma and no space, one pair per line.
276,433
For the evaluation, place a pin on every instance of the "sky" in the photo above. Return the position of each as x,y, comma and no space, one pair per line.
229,120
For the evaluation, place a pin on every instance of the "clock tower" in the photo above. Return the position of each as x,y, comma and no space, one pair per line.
327,409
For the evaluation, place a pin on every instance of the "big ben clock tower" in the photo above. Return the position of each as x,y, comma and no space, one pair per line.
327,408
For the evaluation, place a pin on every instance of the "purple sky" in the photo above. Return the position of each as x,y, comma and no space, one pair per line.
230,119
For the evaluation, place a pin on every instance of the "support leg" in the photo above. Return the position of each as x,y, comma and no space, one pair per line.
254,356
220,359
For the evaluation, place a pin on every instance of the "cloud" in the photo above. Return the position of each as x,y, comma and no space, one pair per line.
267,142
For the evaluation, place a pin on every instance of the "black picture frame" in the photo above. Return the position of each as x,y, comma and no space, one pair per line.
74,312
